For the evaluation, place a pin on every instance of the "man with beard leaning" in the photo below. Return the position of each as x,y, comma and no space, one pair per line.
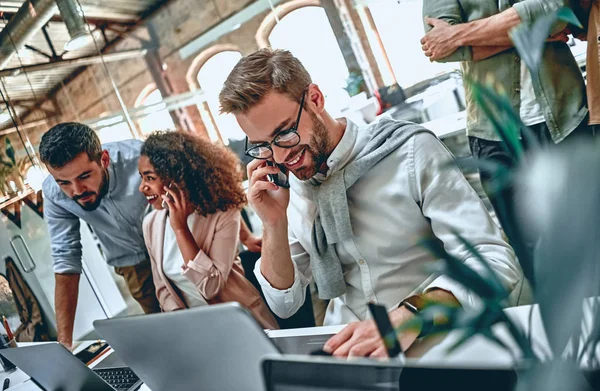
361,198
99,185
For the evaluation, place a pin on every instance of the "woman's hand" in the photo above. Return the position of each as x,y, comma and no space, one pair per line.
179,207
253,243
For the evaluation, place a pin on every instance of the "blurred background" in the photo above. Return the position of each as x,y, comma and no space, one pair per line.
130,67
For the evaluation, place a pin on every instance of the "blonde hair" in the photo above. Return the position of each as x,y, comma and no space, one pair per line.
259,73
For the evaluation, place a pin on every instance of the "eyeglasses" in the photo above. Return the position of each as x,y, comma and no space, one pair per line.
285,139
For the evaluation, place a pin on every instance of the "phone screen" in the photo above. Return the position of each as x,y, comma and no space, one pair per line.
280,179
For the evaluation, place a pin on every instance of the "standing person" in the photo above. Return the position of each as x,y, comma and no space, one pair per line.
553,106
97,184
591,12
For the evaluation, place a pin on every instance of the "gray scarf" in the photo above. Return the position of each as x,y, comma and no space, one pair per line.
332,221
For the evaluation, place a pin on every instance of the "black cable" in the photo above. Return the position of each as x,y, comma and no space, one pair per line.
12,117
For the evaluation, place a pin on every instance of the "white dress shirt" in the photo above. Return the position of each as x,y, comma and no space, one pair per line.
173,266
408,195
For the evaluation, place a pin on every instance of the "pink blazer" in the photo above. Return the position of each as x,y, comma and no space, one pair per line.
216,271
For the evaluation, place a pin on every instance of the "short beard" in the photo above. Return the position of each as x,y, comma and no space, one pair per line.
319,147
101,193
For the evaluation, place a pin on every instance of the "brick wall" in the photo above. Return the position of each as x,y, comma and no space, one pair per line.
90,94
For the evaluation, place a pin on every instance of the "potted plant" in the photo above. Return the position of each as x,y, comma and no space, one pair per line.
561,194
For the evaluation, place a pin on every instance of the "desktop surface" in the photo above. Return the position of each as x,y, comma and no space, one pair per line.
430,352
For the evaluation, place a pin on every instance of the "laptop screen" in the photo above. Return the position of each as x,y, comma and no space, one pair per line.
305,374
287,374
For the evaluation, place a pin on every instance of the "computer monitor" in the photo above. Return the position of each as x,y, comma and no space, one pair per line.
301,373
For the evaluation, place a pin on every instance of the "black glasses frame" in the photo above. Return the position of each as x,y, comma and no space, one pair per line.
293,129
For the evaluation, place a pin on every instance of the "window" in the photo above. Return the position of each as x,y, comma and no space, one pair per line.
113,129
156,117
211,77
402,41
307,34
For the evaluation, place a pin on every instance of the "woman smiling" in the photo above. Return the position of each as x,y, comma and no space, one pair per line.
192,235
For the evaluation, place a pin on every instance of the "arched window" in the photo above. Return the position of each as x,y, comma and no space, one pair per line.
112,129
316,47
155,117
210,77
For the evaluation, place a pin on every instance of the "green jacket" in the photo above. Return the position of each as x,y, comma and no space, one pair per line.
560,88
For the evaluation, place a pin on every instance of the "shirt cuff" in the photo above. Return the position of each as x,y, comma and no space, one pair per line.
463,53
464,296
286,296
201,264
530,11
66,267
523,12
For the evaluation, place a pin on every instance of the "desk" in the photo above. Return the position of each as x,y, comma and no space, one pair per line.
444,127
474,353
448,126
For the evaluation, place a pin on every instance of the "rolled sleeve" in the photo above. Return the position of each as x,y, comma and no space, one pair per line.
449,11
452,206
463,53
209,272
65,238
285,303
530,10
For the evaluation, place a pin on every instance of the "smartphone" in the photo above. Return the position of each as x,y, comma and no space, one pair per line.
164,203
281,178
386,330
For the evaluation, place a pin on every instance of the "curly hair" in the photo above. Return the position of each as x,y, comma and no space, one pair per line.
208,174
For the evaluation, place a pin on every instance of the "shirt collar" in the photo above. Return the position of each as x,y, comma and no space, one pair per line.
342,154
112,177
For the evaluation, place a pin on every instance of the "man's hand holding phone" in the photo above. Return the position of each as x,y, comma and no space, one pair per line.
281,178
268,199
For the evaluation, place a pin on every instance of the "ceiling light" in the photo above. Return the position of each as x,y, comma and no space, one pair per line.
78,42
72,15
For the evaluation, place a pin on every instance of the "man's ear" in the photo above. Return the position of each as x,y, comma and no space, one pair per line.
105,159
315,98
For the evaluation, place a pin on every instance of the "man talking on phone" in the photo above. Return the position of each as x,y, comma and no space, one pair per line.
360,199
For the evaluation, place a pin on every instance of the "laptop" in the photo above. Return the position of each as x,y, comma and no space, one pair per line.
53,368
301,373
217,347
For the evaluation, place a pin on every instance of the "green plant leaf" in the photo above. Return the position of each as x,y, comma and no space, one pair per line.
499,111
530,40
566,14
458,271
426,318
10,151
493,280
415,324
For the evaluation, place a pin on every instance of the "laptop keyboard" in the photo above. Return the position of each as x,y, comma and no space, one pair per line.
118,378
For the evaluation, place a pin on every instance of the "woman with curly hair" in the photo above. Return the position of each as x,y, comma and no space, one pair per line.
192,235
